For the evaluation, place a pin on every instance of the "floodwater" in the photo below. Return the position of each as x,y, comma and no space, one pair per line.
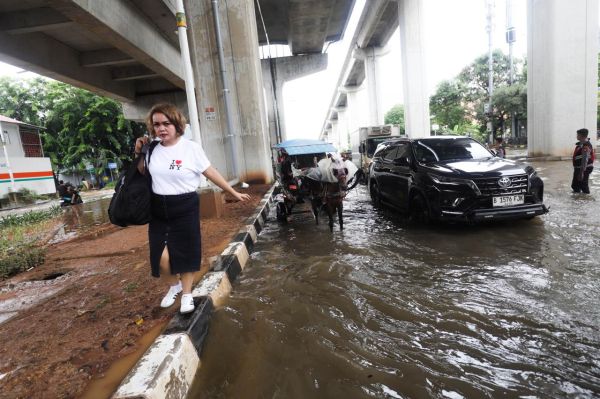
79,218
386,310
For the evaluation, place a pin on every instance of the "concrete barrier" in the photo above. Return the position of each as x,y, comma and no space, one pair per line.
168,367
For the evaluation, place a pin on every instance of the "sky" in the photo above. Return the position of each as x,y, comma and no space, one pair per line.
455,35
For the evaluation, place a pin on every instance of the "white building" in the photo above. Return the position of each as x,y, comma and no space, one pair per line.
23,147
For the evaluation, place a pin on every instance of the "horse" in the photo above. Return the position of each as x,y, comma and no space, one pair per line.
327,187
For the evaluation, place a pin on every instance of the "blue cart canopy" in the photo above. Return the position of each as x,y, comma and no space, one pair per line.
305,146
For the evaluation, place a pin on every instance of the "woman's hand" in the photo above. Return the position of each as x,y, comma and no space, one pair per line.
139,143
240,197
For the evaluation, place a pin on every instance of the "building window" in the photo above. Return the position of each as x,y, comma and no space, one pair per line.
6,137
30,138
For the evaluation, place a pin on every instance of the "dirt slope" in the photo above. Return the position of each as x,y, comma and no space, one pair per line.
98,299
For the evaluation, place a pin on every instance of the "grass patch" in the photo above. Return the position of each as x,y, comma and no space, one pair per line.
29,218
21,260
20,236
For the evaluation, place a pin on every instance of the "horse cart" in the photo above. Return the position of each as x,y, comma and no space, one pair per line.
311,170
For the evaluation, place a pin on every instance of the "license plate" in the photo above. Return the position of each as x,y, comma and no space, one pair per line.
509,200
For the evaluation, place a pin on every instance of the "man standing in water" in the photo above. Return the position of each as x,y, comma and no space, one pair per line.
583,162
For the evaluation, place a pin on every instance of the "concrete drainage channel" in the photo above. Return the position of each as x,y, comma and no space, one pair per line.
168,367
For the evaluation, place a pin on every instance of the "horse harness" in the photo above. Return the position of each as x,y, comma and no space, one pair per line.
328,195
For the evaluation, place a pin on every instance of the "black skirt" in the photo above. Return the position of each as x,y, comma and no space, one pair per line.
176,225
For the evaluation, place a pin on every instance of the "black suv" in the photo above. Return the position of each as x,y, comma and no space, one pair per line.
453,178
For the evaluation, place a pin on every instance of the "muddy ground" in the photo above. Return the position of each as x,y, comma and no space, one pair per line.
98,301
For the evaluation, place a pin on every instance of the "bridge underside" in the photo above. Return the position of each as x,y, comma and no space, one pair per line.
129,50
306,25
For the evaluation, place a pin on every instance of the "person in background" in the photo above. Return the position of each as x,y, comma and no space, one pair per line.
583,162
175,167
499,147
61,189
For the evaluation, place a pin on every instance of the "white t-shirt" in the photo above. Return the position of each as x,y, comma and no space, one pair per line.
177,169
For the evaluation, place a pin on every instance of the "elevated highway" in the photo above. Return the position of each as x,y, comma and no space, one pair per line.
562,85
128,50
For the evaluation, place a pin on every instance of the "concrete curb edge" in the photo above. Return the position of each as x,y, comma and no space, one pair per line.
168,367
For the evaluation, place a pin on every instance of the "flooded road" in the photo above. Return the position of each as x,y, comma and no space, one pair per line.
77,219
386,310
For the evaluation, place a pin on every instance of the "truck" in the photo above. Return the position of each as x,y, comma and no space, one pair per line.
364,142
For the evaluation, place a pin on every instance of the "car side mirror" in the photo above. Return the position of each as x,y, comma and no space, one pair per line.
494,152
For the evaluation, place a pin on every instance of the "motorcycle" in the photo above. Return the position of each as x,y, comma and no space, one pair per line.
72,197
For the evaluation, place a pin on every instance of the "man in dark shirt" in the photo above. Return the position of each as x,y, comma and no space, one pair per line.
62,189
583,162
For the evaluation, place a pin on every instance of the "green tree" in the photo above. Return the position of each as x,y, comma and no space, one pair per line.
23,99
395,116
509,101
475,76
448,107
86,129
79,128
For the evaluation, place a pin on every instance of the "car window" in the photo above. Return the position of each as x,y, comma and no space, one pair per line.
372,145
440,150
390,155
425,154
401,152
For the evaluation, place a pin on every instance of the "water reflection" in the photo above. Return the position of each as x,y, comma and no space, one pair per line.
383,309
83,216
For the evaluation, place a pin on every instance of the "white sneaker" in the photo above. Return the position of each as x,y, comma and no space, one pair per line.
169,299
187,303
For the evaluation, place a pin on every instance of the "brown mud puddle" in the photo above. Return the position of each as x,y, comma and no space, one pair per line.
104,301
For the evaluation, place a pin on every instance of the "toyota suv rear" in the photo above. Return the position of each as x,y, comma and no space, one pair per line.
453,178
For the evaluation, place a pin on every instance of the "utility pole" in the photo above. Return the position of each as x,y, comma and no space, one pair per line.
490,29
188,74
511,37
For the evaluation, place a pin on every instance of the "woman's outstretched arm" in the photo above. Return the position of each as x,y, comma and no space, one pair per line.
214,176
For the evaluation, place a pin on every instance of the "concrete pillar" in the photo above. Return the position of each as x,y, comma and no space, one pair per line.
343,128
244,82
370,56
276,72
562,79
334,137
354,109
412,43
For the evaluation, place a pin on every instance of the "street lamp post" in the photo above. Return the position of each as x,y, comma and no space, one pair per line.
511,37
489,29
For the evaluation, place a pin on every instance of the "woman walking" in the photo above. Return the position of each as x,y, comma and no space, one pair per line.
176,165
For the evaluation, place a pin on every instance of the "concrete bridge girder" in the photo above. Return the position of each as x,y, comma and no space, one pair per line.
303,24
128,50
276,72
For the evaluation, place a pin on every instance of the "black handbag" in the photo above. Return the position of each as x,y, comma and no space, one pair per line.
130,204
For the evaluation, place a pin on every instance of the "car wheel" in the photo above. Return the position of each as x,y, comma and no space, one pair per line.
419,210
375,196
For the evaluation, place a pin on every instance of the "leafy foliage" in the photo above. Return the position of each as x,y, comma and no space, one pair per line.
458,105
447,106
80,128
395,116
23,99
